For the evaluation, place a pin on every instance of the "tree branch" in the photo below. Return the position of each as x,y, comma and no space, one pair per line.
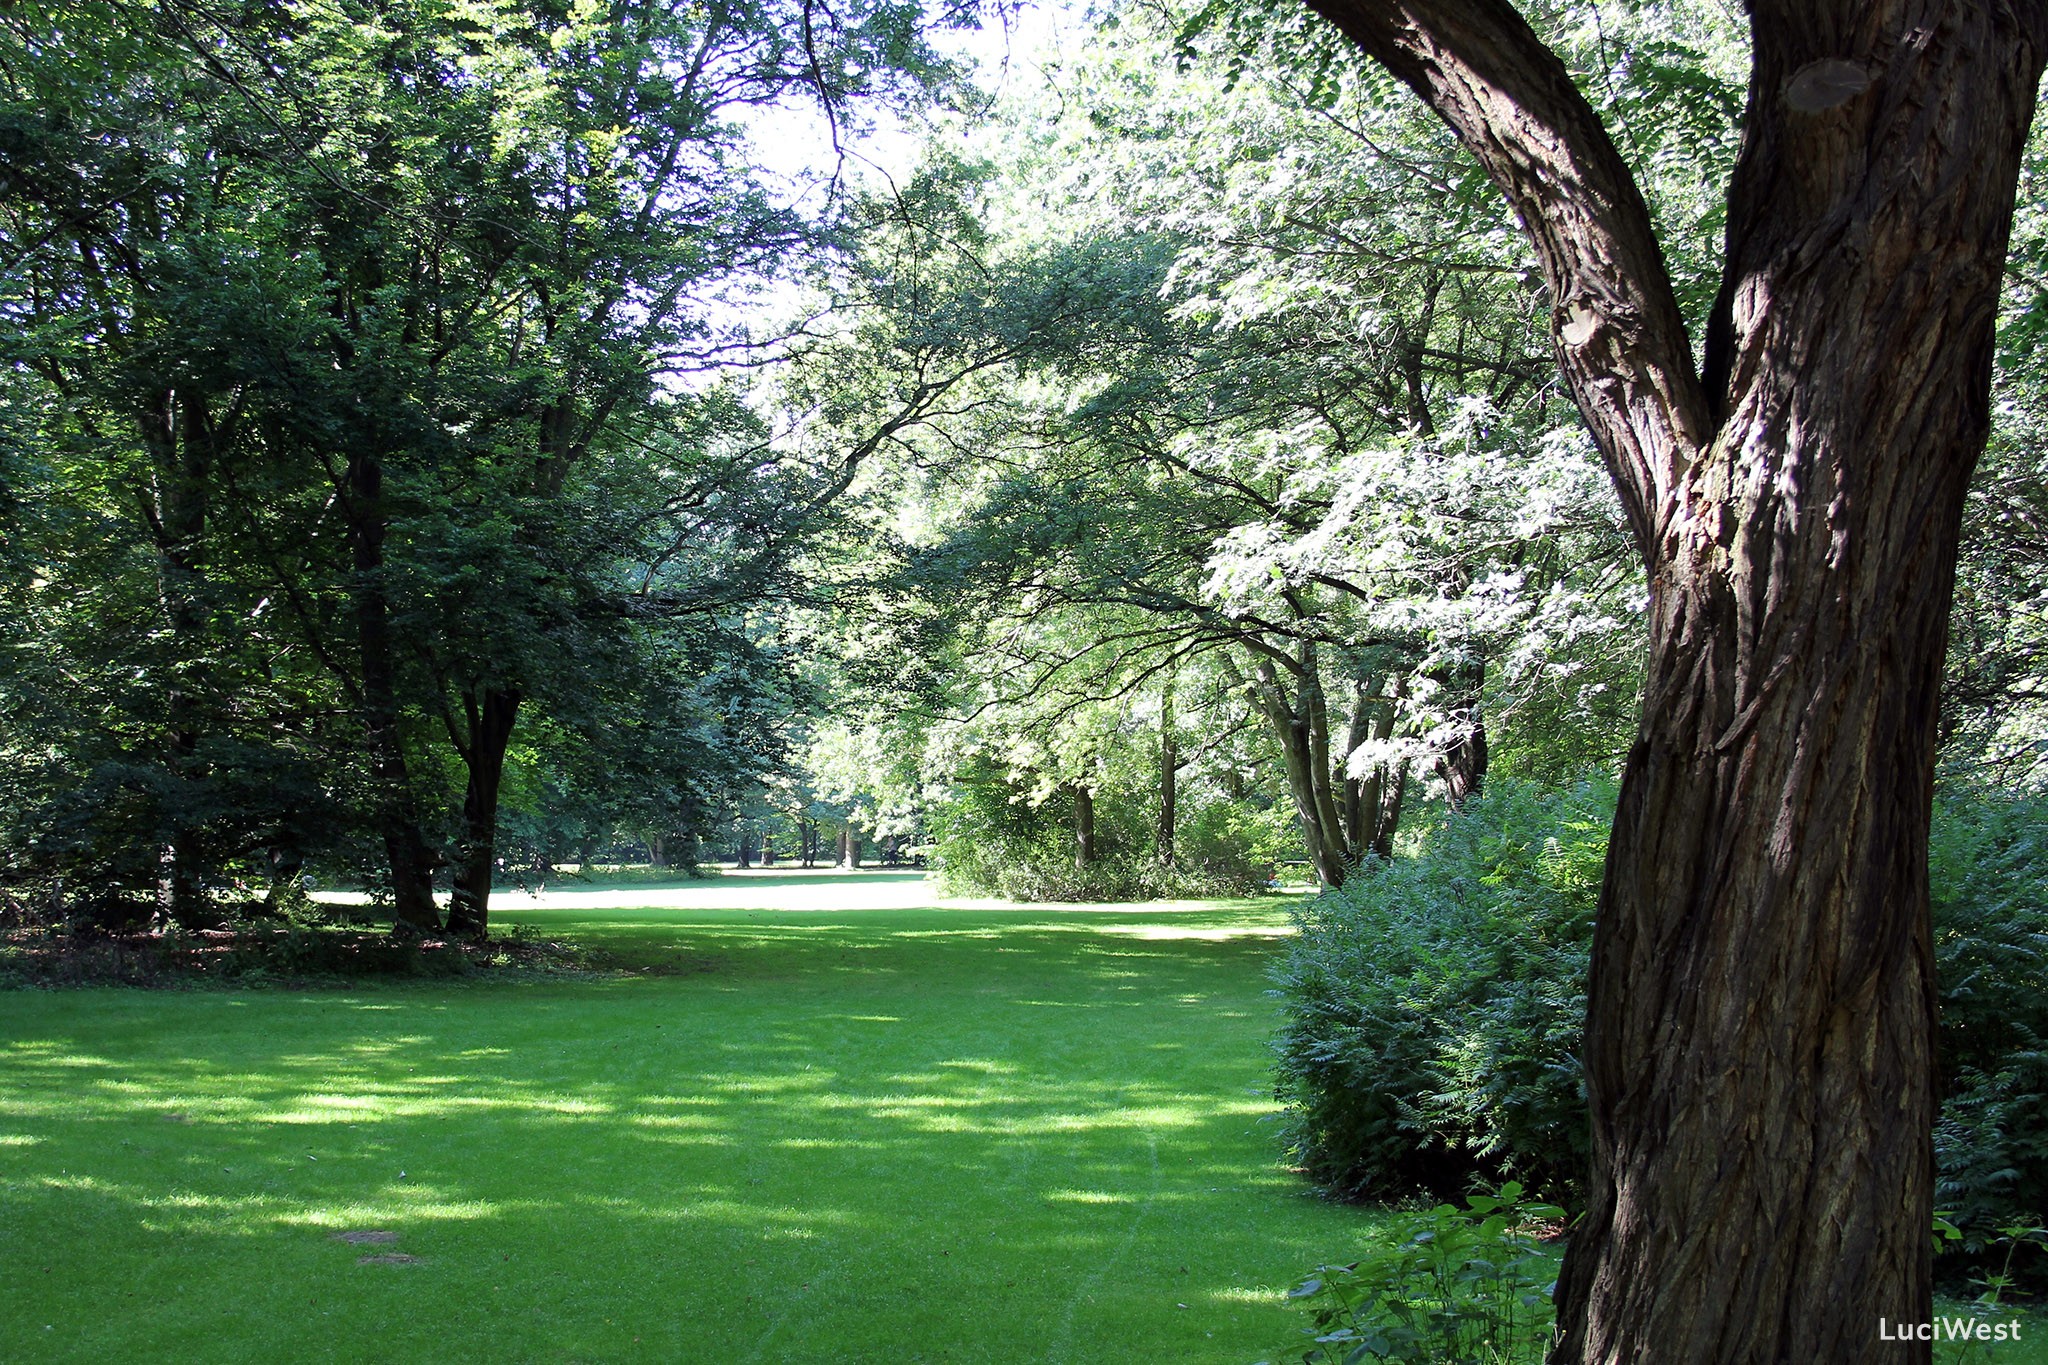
1615,324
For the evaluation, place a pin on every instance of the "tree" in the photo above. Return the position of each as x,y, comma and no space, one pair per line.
391,328
1349,526
1760,1043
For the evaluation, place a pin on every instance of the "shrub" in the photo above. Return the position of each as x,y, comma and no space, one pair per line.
1989,872
991,840
1452,1286
1435,1002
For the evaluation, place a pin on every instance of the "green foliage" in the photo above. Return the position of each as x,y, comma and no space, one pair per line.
1233,843
1989,871
343,407
1451,1286
993,839
802,1129
1435,1002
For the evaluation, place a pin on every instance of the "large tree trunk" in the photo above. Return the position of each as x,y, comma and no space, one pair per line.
1763,962
1760,1038
490,719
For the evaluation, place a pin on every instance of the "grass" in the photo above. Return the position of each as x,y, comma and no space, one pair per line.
827,1121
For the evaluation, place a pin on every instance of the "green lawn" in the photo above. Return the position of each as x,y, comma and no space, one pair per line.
831,1121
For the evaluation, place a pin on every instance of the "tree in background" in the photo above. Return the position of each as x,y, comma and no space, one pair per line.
1310,445
386,331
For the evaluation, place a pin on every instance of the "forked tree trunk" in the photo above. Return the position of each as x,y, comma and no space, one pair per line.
1343,818
1373,802
1291,699
1760,1038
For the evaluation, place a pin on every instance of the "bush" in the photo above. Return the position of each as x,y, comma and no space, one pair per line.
992,841
1435,1003
1452,1286
1989,869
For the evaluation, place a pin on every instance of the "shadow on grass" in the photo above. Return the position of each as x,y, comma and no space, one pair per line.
929,1135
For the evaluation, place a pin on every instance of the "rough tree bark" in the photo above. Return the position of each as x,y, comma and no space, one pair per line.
1759,1044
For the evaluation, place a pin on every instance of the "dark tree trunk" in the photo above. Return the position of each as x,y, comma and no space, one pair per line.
1461,755
410,860
1084,828
745,856
177,430
1462,763
657,851
1169,776
849,847
1759,1051
490,719
287,886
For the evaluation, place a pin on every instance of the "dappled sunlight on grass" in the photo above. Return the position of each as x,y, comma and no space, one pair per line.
883,1134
